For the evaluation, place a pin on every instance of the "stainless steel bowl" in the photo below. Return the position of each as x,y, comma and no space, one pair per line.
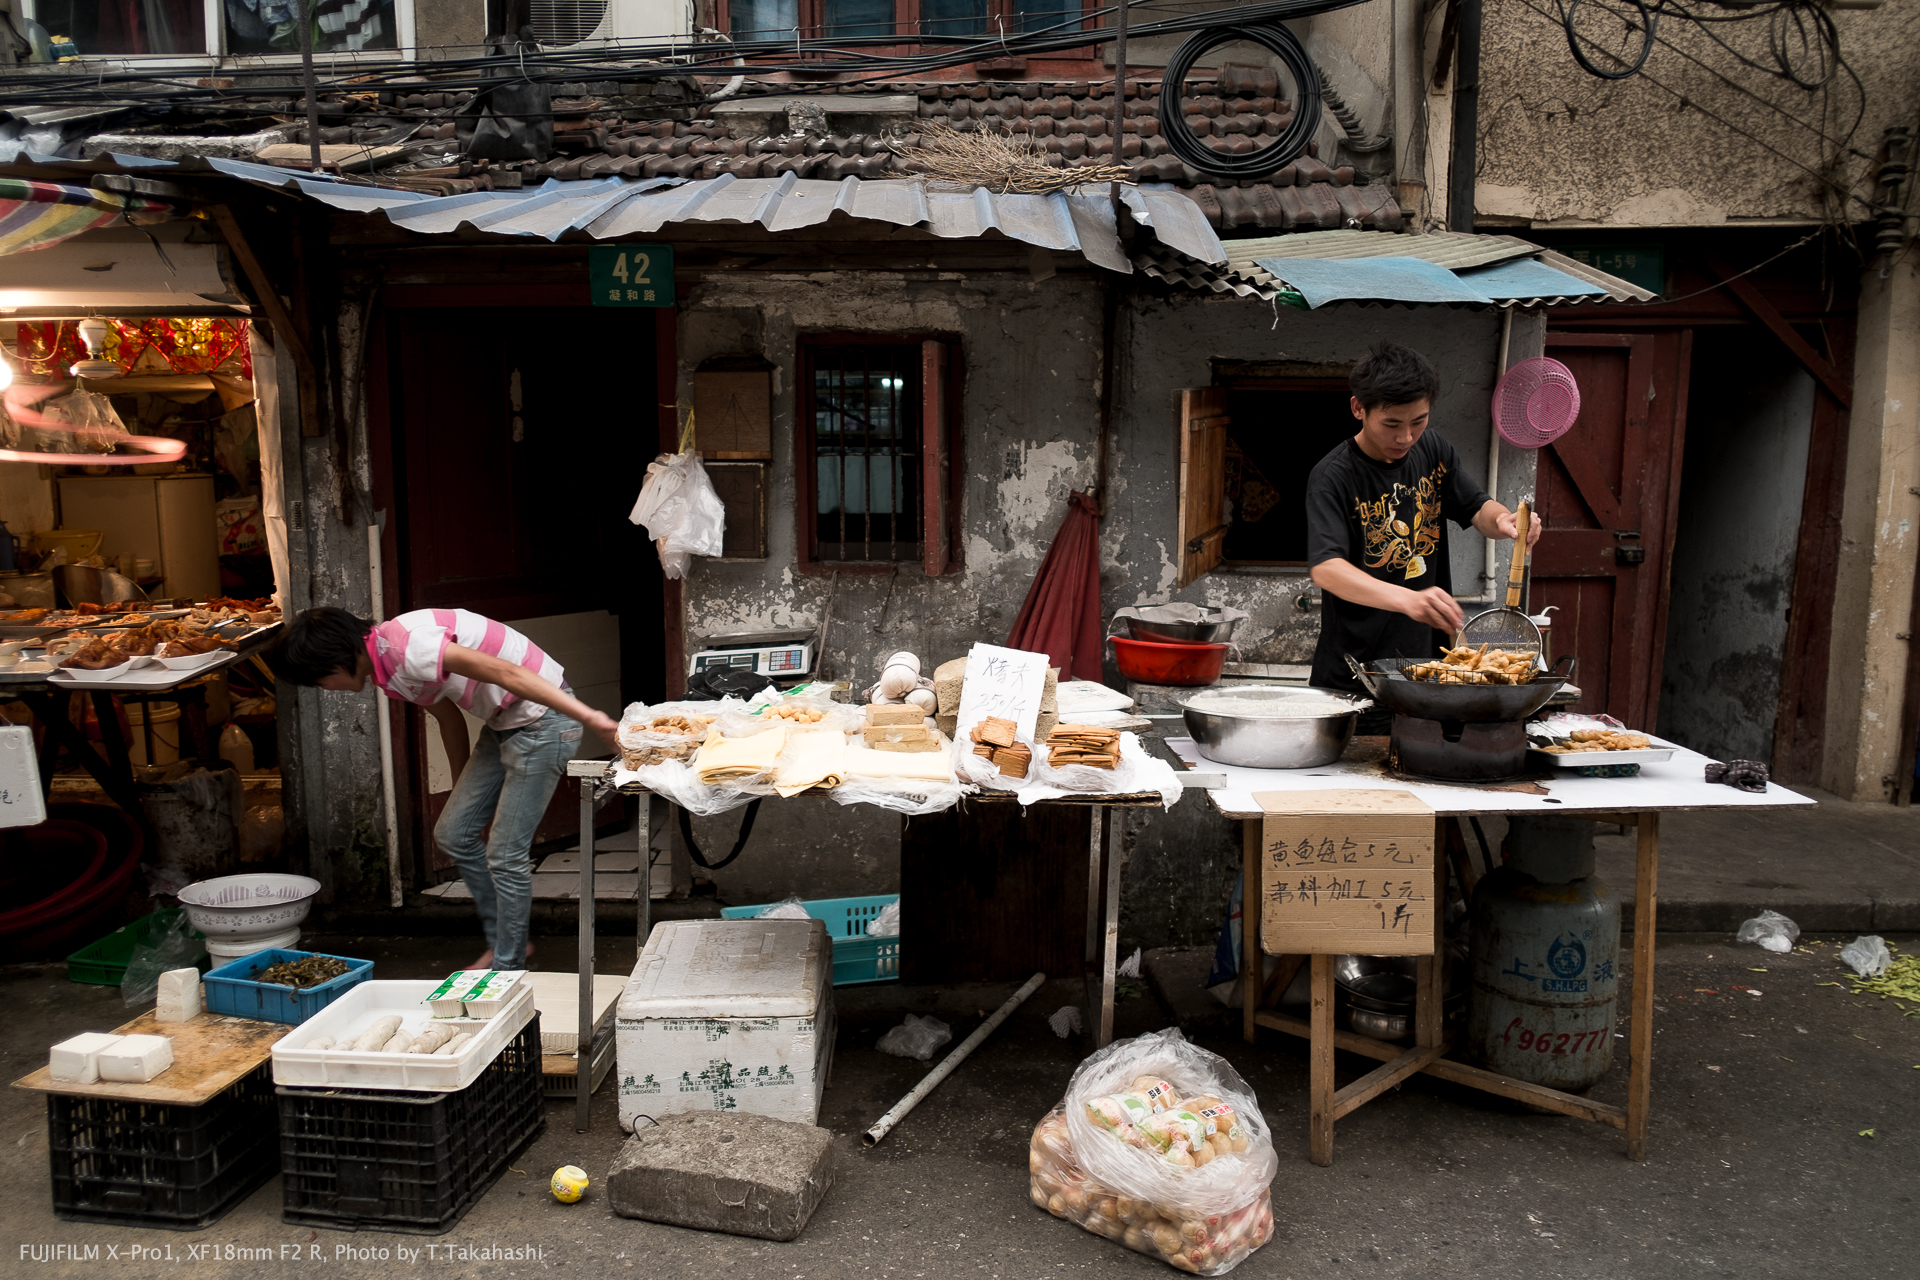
1380,1026
1270,742
1182,632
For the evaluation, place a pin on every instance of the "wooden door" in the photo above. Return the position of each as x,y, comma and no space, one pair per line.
1203,480
1608,490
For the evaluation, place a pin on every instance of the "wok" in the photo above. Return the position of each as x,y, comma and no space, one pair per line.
1476,703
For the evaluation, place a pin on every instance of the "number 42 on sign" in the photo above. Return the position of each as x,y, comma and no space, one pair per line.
630,275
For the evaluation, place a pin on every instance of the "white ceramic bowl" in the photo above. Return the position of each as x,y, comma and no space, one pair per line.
251,906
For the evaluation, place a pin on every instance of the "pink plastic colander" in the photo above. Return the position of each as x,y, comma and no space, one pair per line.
1535,403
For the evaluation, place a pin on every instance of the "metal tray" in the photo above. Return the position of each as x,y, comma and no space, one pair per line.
1478,703
1655,754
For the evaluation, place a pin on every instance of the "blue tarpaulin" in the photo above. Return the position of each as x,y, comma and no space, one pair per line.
1525,278
1324,280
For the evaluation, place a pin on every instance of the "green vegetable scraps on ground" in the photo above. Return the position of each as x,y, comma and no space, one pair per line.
1866,1133
1900,982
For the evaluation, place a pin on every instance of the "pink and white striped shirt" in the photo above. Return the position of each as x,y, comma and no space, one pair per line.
409,653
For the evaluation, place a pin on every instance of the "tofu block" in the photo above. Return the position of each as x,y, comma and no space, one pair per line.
948,678
77,1061
179,995
1050,691
895,738
947,724
136,1059
493,994
448,999
908,715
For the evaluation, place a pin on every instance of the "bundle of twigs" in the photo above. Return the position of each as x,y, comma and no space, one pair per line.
1003,162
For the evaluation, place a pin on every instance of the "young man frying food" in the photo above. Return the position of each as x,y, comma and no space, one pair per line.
1377,512
448,661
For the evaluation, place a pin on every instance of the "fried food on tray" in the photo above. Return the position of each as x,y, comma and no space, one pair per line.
190,646
1600,740
135,644
1485,665
94,655
24,617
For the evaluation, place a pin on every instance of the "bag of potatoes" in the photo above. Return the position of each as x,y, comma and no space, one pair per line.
1160,1146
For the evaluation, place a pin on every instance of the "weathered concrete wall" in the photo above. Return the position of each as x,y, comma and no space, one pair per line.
1695,140
1873,590
1030,421
1732,579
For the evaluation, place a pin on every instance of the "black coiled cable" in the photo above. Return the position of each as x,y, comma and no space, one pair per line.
1191,149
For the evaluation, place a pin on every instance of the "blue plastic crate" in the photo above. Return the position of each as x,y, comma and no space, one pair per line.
230,988
856,957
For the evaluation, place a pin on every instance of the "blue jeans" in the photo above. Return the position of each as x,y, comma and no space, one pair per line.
509,778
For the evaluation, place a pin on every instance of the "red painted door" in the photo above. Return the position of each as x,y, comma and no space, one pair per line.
1608,491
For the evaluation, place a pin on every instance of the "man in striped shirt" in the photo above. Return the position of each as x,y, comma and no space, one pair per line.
449,661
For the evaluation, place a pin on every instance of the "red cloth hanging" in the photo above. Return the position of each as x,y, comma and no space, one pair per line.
1061,617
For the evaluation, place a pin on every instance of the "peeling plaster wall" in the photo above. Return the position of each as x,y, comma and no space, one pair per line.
1732,576
1030,417
1559,145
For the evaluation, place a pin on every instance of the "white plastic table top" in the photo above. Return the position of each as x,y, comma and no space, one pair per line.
1679,783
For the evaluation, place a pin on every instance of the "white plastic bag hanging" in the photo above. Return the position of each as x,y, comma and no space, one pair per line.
682,513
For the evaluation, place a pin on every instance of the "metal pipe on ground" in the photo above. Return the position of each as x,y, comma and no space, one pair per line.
884,1125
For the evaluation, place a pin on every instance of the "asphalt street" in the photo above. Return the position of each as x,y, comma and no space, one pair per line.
1786,1113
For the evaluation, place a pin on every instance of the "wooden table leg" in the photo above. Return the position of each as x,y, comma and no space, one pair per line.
1110,945
1251,967
1646,886
1320,1088
583,1051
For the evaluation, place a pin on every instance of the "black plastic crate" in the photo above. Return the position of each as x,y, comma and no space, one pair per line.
146,1164
394,1160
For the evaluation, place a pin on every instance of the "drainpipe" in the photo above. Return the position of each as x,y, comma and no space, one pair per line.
383,715
1493,451
1463,163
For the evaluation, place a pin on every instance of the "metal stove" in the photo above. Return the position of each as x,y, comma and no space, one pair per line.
1457,751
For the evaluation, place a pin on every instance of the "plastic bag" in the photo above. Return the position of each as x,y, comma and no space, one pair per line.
1771,930
175,947
1161,1146
915,1038
914,797
1868,955
666,731
887,923
682,513
82,422
674,781
786,909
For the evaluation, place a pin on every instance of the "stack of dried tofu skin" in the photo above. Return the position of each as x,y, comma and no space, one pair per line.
723,759
899,728
994,741
813,758
1083,744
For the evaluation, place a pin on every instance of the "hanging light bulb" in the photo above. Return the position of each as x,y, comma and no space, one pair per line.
93,332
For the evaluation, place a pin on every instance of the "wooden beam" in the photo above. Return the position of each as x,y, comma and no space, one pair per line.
1382,1078
1646,901
1756,303
1320,1099
284,329
1284,972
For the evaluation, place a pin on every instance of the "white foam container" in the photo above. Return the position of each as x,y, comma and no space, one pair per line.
370,1069
727,1015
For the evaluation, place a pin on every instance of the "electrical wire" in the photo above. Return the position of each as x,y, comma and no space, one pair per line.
1288,52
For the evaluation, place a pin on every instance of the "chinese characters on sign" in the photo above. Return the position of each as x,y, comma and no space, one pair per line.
1007,683
1346,872
630,275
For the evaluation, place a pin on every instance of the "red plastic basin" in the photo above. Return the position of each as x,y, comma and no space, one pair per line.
1152,662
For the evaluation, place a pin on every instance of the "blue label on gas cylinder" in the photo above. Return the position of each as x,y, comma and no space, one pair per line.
1563,984
1567,958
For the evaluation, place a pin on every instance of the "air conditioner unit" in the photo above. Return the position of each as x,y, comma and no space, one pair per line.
559,24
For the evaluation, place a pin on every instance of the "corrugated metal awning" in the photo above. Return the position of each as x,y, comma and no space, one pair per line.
1507,270
1081,220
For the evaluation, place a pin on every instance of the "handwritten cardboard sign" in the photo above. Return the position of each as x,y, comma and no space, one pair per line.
1346,872
1007,683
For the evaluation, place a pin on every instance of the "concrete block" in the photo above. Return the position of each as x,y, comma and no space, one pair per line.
746,1175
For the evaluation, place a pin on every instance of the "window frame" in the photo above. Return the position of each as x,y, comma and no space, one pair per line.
215,55
940,505
906,20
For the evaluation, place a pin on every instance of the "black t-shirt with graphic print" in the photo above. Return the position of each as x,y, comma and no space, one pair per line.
1389,520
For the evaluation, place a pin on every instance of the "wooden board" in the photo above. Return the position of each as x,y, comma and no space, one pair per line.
1346,871
211,1052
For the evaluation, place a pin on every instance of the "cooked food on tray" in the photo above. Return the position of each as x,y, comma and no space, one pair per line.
94,655
135,644
1484,665
190,646
24,617
1600,740
222,609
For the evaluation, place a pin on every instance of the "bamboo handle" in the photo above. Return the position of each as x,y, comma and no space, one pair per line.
1518,573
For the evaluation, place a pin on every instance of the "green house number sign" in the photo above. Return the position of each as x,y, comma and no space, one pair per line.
630,275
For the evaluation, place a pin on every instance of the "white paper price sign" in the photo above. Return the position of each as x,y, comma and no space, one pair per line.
1007,683
21,804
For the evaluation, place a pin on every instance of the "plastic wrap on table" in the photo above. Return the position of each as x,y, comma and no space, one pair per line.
673,780
1136,773
1159,1146
664,731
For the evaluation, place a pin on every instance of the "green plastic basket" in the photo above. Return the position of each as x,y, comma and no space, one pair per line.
104,963
857,958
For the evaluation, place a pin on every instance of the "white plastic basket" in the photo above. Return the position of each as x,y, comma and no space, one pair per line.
369,1069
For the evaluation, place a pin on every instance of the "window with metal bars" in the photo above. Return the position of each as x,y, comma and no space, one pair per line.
876,467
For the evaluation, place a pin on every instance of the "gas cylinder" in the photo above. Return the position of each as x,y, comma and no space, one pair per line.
1545,936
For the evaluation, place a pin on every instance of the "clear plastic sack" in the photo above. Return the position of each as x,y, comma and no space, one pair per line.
887,923
916,1038
682,513
175,947
664,731
1161,1146
1771,930
786,909
1868,955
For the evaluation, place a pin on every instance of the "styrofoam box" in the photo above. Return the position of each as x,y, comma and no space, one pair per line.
369,1069
727,1015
